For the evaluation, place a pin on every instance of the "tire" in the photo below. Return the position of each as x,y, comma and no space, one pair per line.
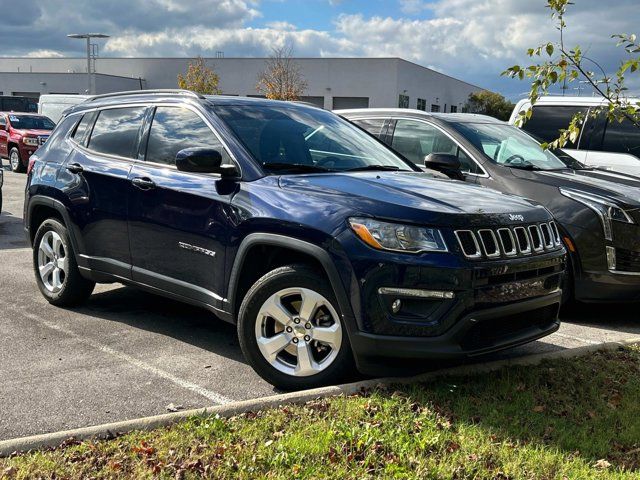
15,161
327,361
63,285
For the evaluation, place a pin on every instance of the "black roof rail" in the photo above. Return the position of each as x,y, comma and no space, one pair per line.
158,91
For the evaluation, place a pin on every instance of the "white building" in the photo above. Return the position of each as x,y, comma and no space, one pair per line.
332,82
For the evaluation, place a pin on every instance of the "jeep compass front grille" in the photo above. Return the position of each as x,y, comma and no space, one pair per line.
509,242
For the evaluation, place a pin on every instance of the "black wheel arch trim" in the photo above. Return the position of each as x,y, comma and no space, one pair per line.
318,253
58,206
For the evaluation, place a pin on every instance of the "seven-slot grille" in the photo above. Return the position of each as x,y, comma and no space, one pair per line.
42,139
509,242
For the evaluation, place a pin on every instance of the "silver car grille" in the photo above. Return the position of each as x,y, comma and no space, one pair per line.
487,243
42,139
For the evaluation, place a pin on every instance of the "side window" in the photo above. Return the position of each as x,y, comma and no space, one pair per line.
3,121
415,140
174,129
83,128
621,137
371,125
546,121
116,131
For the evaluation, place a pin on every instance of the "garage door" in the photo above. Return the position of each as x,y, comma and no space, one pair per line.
340,103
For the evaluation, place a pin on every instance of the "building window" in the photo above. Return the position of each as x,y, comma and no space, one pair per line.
435,108
403,101
422,104
454,109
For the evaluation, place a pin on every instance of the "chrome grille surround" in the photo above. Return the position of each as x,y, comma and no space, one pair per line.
508,242
522,240
471,235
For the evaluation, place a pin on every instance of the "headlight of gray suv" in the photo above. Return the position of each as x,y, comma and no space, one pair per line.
606,210
397,237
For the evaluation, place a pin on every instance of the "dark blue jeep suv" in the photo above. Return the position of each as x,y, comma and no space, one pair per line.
320,243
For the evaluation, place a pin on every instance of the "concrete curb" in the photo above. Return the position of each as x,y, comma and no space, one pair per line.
109,430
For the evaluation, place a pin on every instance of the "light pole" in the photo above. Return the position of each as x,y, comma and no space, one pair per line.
91,90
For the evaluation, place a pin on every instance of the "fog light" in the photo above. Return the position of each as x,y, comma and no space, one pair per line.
611,258
396,305
413,293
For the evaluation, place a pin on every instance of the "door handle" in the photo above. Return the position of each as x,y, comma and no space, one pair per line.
144,183
75,168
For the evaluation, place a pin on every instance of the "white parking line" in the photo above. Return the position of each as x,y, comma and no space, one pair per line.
577,339
213,396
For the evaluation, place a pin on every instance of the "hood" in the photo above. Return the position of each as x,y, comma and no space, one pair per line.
621,188
23,132
417,198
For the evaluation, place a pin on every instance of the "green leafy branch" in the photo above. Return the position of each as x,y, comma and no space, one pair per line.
558,65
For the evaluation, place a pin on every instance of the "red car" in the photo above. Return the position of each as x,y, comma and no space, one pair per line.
20,135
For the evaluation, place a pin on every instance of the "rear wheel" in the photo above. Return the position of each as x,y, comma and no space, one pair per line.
15,161
291,330
55,266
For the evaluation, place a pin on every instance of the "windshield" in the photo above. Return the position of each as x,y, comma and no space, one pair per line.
31,122
509,146
303,140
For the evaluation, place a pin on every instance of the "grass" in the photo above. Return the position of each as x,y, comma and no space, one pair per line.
570,419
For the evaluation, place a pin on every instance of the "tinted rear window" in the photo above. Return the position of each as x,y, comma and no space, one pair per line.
547,121
116,131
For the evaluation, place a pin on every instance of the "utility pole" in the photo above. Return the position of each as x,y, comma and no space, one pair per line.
91,81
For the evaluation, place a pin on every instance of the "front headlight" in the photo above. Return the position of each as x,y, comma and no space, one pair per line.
397,237
30,141
605,209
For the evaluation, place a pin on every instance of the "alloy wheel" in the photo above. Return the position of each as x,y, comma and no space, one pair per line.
298,332
52,261
14,159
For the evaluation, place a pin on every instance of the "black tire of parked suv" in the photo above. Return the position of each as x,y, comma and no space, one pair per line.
292,276
75,288
19,166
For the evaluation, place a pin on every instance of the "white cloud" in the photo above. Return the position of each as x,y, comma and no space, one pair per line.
471,39
44,54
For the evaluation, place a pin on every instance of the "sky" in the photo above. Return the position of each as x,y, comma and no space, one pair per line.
474,40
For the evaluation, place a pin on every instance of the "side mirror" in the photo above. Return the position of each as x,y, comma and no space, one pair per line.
445,163
204,160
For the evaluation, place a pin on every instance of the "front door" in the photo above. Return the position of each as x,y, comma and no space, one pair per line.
178,221
4,137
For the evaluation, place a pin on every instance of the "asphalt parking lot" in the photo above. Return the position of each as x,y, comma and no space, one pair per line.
129,354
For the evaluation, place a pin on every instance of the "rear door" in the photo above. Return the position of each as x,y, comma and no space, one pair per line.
179,222
612,145
415,139
96,177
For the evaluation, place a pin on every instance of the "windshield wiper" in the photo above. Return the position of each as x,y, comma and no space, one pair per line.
388,168
295,167
530,166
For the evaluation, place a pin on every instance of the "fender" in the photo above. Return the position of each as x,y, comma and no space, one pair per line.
59,207
307,248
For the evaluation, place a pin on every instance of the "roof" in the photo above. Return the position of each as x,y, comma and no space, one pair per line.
173,95
567,100
407,112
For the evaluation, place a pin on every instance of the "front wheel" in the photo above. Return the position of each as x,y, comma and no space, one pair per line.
55,266
291,331
15,161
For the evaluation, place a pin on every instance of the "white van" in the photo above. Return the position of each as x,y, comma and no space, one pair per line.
53,105
610,145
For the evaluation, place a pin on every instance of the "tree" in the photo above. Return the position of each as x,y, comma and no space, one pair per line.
199,78
282,78
489,103
557,64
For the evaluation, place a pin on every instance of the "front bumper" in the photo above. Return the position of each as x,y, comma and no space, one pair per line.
608,287
477,333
